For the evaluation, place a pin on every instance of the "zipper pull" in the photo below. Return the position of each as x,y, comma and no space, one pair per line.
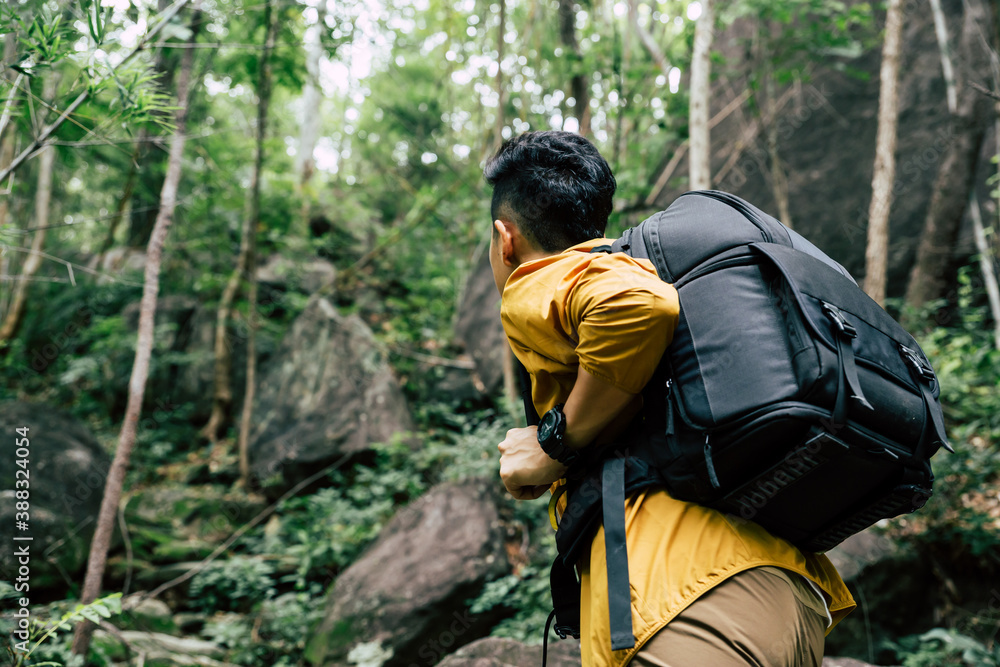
710,466
670,407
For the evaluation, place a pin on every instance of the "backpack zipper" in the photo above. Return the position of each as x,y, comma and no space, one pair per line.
702,269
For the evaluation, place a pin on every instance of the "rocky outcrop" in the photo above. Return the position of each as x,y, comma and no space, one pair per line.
857,552
327,392
906,588
64,469
478,326
404,601
826,139
502,652
302,275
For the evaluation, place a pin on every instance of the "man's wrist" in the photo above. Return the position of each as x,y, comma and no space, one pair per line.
551,438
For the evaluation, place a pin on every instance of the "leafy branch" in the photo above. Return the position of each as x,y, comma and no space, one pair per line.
42,139
104,607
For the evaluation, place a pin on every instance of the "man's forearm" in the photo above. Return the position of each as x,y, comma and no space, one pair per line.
591,408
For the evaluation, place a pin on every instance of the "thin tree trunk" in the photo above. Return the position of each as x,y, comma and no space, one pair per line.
779,181
264,100
501,97
655,52
6,155
123,200
150,159
101,542
932,271
986,266
699,154
43,197
311,100
877,249
222,395
222,399
579,81
621,66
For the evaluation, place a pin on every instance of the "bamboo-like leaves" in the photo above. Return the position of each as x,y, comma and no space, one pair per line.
96,22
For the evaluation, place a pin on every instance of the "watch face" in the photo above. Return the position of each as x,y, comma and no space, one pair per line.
547,427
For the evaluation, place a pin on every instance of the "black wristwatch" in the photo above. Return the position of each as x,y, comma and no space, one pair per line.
551,429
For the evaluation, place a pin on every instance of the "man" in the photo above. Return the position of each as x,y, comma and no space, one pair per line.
590,328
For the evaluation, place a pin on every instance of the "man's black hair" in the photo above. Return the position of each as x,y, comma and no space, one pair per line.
554,186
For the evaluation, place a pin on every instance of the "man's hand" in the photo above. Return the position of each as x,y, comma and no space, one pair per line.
525,469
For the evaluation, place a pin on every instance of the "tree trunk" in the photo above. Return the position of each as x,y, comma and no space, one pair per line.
101,542
779,182
986,266
932,272
123,200
877,249
655,52
579,81
43,197
620,143
264,100
222,399
700,156
151,160
311,100
6,155
501,97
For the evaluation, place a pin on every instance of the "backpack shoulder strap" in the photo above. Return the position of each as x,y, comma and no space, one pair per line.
524,380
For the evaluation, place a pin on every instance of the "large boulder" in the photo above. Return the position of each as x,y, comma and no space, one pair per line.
405,600
64,470
302,275
478,326
326,393
826,129
907,587
502,652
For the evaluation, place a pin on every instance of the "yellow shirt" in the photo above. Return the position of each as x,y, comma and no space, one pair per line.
614,316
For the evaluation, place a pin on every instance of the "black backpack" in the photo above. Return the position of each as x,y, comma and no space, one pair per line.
787,397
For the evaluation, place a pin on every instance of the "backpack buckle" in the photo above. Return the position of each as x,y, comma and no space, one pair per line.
839,320
916,363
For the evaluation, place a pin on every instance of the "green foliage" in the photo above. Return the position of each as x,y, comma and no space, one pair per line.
797,33
274,634
43,650
968,365
326,531
237,583
526,594
940,648
963,516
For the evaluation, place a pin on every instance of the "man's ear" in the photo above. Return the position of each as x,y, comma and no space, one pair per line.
506,234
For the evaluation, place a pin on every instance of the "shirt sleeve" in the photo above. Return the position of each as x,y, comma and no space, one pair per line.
624,317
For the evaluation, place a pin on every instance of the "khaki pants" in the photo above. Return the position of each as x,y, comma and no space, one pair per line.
764,616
